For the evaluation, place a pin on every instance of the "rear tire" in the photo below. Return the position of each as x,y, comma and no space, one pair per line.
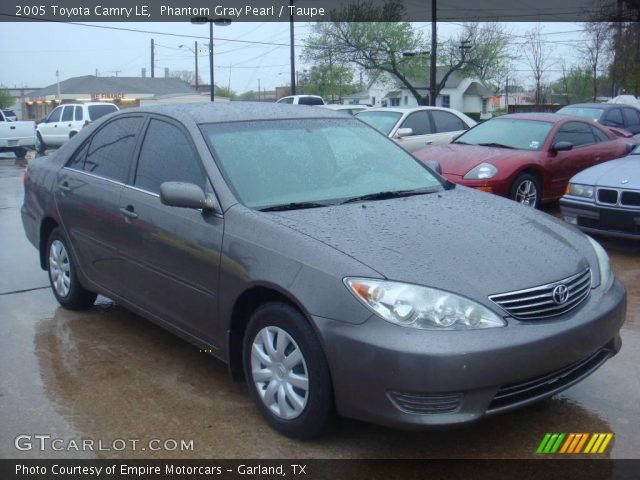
20,152
287,372
41,147
62,275
526,190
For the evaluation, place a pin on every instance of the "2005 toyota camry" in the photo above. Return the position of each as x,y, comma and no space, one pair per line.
323,263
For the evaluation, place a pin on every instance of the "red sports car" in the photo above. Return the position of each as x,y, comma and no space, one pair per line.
528,157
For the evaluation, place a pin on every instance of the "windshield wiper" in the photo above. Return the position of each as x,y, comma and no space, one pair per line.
494,144
294,206
459,142
390,194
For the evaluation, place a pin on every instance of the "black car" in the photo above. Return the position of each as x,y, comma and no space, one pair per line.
608,114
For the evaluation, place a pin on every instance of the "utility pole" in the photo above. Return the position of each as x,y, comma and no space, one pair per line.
506,93
58,85
432,67
259,90
293,52
196,50
152,59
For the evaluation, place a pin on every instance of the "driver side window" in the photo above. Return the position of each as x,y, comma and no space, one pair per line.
577,133
55,115
419,122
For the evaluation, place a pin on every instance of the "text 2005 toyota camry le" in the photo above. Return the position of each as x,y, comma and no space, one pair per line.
323,263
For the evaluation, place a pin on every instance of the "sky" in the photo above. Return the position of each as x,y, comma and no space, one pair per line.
30,52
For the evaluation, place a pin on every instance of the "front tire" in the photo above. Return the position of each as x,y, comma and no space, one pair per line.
526,190
20,153
287,372
62,275
41,147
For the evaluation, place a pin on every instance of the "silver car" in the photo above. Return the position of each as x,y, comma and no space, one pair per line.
325,265
605,198
414,128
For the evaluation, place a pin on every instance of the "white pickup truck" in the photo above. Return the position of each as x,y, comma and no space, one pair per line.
16,137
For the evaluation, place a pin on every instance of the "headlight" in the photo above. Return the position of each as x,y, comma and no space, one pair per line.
578,190
421,307
482,171
604,265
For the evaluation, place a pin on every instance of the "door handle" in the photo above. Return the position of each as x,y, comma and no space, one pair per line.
12,128
128,211
69,125
64,186
428,142
55,126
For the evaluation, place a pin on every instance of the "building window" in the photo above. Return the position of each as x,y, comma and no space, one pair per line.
406,100
373,101
395,102
446,101
484,105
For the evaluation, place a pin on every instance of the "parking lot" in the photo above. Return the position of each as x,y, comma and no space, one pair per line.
108,374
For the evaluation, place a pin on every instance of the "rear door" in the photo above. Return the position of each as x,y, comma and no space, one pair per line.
446,127
87,193
172,254
65,125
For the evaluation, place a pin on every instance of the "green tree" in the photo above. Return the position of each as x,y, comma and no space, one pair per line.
6,100
248,95
226,92
329,81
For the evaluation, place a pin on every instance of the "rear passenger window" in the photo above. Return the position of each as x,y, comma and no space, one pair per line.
77,159
78,113
614,118
631,117
446,122
167,156
67,114
111,148
419,122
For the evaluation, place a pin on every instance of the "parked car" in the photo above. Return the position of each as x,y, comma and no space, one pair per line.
348,109
67,120
302,100
16,137
614,115
605,199
9,115
528,157
413,128
323,263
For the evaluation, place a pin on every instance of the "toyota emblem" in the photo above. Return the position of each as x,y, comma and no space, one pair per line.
560,294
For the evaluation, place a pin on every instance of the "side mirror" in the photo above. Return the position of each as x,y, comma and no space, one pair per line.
185,195
434,165
404,132
561,146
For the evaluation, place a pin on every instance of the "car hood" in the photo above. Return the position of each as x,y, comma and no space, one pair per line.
456,159
459,240
613,173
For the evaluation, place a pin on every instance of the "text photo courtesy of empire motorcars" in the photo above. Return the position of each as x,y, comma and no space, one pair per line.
319,239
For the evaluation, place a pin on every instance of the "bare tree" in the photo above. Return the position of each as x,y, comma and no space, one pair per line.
186,75
595,50
537,54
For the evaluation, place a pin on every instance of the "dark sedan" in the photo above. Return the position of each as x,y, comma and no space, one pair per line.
323,264
605,199
607,114
528,157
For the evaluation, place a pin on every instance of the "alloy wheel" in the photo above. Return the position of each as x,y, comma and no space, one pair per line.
527,193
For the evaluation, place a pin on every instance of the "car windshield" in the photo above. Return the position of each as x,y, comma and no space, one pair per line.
508,133
586,112
97,111
381,121
287,162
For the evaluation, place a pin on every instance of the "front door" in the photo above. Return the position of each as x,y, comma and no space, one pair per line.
172,254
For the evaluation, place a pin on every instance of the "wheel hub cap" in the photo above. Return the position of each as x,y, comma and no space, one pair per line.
279,372
59,268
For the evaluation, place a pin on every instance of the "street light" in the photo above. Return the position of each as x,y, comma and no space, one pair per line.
221,22
195,52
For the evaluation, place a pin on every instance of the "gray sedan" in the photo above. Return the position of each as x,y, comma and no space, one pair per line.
323,263
605,198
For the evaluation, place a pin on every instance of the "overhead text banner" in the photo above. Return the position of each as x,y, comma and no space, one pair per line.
316,10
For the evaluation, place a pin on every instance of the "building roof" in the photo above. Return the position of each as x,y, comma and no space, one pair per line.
476,88
89,84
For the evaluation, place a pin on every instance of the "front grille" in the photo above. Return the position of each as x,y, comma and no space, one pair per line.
606,195
630,199
518,393
426,403
540,302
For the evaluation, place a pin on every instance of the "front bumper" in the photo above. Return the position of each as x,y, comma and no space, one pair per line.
592,218
408,378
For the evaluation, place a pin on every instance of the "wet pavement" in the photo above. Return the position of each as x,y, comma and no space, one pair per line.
108,374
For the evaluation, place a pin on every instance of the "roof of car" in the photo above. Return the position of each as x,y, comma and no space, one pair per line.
405,109
207,112
604,106
540,116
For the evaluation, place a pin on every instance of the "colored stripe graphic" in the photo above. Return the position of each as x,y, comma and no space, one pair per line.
573,443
